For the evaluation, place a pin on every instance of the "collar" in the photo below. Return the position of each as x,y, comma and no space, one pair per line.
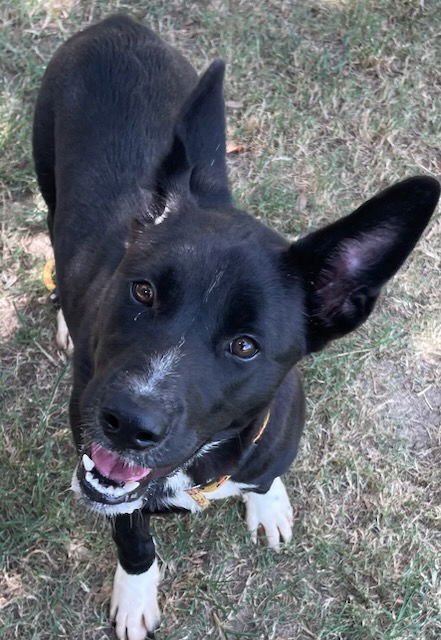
198,492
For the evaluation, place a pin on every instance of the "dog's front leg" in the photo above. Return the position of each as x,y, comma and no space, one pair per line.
134,607
272,511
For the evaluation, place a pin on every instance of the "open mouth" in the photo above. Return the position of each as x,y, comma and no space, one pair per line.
108,478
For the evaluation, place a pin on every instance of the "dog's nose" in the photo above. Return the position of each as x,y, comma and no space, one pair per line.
132,426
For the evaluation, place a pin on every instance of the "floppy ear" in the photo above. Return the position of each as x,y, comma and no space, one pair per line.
196,162
344,265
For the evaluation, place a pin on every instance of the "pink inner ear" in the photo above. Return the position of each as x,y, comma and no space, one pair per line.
344,269
354,256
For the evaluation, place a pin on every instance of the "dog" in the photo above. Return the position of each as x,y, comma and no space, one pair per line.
187,315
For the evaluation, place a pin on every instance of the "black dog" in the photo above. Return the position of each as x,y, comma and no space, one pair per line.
187,315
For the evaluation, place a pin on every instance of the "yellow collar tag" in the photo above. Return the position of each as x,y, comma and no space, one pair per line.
199,498
197,493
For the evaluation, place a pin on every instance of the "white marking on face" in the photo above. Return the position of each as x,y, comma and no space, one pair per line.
271,510
217,278
201,452
160,367
170,204
134,606
162,217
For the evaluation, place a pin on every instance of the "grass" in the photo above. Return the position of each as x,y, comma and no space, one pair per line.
333,100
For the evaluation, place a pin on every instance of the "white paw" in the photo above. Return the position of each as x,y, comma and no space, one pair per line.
272,511
134,607
63,339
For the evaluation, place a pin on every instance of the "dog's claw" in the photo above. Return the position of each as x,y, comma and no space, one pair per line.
273,512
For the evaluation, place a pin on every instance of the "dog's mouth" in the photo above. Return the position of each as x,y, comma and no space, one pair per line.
109,479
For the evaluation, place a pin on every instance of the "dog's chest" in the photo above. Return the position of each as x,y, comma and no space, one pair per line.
177,486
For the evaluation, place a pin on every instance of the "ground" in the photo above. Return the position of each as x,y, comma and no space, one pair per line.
328,101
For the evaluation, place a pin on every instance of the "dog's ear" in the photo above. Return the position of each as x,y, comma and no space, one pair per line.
344,265
196,161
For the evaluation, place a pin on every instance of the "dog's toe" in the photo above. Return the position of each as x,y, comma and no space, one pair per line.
273,512
134,608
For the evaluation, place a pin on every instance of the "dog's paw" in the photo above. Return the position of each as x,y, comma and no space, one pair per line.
134,607
63,339
272,511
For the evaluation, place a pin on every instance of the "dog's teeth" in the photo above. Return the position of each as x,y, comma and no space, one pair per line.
93,481
99,487
114,492
88,463
131,486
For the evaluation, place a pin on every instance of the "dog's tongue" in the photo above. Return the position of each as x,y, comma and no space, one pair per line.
111,466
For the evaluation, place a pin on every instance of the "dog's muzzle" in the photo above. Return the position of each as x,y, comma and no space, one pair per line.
105,478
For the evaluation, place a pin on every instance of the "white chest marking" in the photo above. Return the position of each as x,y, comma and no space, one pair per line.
180,481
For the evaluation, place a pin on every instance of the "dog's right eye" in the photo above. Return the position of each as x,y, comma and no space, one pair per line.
143,292
244,347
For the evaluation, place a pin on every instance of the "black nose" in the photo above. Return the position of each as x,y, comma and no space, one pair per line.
133,426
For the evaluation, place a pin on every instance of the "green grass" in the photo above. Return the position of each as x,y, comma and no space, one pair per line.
333,100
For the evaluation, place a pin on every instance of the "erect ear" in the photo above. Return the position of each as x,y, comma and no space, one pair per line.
196,161
344,265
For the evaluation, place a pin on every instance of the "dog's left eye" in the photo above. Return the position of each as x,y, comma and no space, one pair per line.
244,347
143,292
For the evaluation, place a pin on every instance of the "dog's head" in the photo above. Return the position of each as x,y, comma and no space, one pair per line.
209,309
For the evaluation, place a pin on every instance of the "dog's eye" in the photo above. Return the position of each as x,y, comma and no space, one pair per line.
244,347
143,292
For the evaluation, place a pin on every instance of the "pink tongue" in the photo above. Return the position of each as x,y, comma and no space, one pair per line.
111,466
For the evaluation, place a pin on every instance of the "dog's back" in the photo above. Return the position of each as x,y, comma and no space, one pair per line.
117,88
104,118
